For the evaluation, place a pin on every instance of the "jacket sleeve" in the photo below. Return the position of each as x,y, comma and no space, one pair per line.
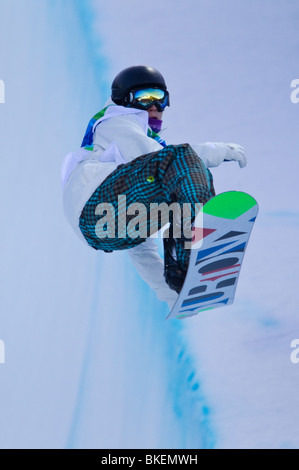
150,267
128,133
215,153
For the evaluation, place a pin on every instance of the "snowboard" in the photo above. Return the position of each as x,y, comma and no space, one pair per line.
220,235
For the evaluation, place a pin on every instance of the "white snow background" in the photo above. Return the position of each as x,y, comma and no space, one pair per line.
90,361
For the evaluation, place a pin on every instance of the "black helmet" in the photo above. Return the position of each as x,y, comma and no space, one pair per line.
134,78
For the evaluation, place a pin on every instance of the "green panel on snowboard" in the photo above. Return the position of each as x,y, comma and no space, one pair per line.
229,205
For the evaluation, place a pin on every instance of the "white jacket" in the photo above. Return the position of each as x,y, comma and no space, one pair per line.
120,136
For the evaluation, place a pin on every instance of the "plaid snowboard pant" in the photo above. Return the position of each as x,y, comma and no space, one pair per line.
174,174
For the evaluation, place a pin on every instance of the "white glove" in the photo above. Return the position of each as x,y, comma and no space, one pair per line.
214,153
236,152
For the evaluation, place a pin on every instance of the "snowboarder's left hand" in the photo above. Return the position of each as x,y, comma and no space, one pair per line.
215,153
236,152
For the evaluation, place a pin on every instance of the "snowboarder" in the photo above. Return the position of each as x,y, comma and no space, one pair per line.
123,161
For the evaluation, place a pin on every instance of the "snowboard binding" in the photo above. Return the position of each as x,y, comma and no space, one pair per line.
173,273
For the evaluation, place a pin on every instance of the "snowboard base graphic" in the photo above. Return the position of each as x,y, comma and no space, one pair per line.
220,236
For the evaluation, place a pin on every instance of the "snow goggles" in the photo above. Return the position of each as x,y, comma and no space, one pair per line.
146,97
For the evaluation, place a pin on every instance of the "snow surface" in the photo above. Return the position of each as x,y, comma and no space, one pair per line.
89,359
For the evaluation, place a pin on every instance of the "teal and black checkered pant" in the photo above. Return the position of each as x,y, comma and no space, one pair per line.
174,174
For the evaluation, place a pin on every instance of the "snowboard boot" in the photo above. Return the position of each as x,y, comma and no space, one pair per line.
174,274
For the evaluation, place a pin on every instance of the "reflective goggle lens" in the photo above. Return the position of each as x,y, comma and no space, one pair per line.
147,96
